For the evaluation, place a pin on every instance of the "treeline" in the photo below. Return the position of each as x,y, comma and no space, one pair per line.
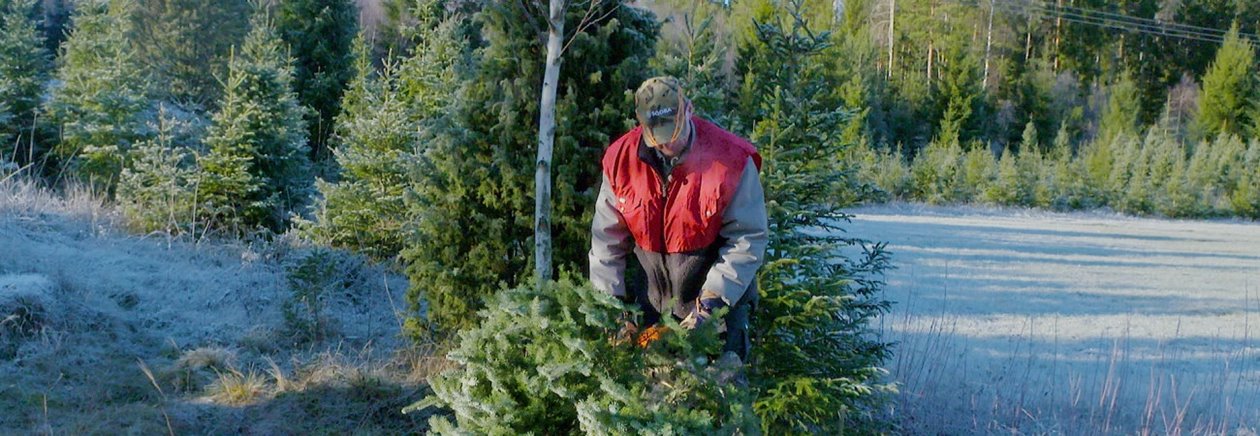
1147,107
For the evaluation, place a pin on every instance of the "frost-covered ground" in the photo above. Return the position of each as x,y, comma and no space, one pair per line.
102,332
1086,323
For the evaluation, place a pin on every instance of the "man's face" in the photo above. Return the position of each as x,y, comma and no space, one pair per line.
679,142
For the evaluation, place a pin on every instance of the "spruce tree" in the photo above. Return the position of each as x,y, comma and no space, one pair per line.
100,106
1005,188
815,366
1123,108
363,208
694,51
1229,88
256,172
320,35
157,190
958,93
23,70
473,209
1246,196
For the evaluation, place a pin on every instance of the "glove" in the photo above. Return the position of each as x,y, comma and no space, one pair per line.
629,330
701,312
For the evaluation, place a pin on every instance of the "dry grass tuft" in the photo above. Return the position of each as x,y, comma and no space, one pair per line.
424,361
23,196
213,358
235,388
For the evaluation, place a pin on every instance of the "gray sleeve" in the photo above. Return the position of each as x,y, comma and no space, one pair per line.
746,231
610,243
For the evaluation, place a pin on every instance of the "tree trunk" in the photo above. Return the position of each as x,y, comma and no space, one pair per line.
546,140
892,20
988,46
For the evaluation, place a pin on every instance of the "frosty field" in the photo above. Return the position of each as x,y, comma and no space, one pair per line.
1043,323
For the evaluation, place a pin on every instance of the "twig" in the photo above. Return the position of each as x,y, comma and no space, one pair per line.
588,22
170,430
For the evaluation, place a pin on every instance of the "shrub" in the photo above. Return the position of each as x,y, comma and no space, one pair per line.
315,279
236,388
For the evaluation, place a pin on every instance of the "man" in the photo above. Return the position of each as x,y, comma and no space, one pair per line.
686,197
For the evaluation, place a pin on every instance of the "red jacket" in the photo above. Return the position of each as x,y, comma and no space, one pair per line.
686,215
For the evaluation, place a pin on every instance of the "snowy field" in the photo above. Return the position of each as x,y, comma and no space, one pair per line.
1027,322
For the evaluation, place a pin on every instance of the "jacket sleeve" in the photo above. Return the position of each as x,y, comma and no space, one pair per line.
746,232
610,243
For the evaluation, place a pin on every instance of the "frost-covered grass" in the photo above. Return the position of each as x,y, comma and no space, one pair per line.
1028,322
107,333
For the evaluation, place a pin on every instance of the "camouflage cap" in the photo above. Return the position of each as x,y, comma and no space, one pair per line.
659,105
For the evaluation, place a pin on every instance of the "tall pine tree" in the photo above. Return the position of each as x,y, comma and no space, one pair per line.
23,70
320,35
1229,88
256,172
474,207
815,366
101,105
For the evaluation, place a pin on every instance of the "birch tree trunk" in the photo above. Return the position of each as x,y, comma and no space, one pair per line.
546,140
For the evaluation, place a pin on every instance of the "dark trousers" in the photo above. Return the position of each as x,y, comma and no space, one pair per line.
671,282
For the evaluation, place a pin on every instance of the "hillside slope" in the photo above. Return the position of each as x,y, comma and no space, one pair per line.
87,310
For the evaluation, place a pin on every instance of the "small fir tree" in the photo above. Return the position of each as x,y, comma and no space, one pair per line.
1246,197
694,51
936,171
23,70
158,188
1098,158
1030,164
100,106
1005,188
256,172
363,208
978,171
320,36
